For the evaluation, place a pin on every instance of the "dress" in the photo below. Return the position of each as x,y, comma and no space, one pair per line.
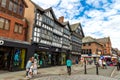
35,66
100,62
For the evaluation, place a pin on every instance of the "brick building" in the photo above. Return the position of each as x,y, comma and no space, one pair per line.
101,46
106,42
90,46
13,45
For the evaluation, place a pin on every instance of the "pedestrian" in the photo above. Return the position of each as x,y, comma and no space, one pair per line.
69,64
104,64
30,73
118,64
100,63
35,65
76,61
28,65
82,62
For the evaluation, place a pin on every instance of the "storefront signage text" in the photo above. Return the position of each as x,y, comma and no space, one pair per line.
1,42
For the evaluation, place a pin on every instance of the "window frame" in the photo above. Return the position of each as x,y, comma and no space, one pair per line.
14,3
19,9
4,24
18,29
12,6
1,3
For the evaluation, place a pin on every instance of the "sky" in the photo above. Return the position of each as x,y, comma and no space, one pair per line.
99,18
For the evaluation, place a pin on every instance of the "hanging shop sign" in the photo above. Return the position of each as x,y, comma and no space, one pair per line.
1,42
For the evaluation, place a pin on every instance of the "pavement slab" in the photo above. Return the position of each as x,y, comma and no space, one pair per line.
75,77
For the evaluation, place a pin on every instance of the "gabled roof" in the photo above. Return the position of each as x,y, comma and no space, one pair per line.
88,39
74,26
51,10
53,14
46,10
67,23
103,40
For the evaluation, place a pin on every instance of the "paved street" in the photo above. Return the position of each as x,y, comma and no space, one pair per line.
116,74
104,74
59,73
57,70
75,77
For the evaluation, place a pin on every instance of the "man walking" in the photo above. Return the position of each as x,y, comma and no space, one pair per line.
69,64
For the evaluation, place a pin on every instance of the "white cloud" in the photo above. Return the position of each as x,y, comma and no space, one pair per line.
46,3
71,8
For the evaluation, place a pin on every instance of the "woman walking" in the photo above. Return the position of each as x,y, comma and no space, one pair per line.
29,64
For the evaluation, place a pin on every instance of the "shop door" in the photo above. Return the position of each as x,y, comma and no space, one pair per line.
5,58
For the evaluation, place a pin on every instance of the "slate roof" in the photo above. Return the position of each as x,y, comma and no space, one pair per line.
65,23
88,39
103,40
74,26
46,10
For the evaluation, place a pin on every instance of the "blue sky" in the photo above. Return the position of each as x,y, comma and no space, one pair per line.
99,18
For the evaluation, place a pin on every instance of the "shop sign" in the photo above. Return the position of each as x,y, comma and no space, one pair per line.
1,42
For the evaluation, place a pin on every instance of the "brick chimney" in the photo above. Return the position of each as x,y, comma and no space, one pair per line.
61,19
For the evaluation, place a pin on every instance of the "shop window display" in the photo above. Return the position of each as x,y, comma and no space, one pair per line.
19,58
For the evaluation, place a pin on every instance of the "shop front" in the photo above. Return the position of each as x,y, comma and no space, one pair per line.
13,55
63,58
56,56
43,53
50,56
75,57
65,53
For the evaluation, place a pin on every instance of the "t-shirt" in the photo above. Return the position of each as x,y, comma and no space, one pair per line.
69,62
29,63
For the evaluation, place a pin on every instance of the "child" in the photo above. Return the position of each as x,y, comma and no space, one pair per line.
30,74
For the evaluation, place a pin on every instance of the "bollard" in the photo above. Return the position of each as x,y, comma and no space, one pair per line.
85,67
97,72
